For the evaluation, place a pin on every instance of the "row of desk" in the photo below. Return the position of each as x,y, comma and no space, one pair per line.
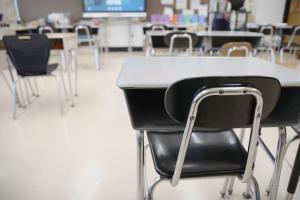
144,81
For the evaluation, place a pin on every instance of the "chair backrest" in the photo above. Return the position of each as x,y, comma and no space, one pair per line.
236,49
296,31
220,111
181,40
267,30
45,29
221,103
28,53
83,30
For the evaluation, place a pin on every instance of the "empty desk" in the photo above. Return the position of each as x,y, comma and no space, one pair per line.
144,81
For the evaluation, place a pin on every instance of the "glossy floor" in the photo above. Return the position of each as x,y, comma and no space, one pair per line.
90,153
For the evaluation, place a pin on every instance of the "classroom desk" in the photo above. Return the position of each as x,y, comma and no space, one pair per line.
94,32
212,39
144,81
66,43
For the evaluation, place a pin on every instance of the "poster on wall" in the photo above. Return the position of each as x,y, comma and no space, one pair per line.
181,4
167,2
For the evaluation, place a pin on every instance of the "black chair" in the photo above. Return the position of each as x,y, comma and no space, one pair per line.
30,54
181,40
214,105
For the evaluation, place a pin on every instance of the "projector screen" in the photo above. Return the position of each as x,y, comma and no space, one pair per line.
111,8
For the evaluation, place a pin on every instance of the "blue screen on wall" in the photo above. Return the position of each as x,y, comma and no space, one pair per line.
114,5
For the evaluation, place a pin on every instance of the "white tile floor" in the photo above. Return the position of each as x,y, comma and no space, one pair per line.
89,153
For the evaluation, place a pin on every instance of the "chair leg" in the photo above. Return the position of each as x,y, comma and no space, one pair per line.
225,186
59,94
30,87
256,186
75,69
248,194
151,189
22,94
63,60
36,87
140,166
281,55
14,91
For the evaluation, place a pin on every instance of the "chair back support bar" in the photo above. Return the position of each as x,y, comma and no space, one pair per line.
181,40
159,27
85,31
242,49
236,49
45,29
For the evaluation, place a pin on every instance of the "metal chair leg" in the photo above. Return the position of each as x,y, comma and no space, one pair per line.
36,87
14,91
278,163
256,186
75,69
224,188
151,189
26,85
140,166
22,94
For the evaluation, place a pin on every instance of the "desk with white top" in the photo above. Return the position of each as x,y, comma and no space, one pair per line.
212,39
144,81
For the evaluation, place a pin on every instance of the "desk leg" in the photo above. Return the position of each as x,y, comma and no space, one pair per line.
294,177
278,162
68,69
140,166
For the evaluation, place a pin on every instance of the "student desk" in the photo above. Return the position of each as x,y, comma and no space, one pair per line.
212,39
66,43
144,81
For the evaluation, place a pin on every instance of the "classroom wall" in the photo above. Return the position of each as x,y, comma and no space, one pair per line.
6,8
268,11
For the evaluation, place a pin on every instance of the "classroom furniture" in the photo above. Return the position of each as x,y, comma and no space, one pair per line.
211,39
87,34
236,49
144,81
182,42
195,102
30,55
292,45
45,29
266,44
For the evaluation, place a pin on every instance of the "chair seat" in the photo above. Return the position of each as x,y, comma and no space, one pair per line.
209,153
50,68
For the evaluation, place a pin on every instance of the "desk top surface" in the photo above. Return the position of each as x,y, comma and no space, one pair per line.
161,72
213,33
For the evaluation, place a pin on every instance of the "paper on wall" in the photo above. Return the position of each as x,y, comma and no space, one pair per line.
188,12
167,2
181,4
203,10
169,11
194,4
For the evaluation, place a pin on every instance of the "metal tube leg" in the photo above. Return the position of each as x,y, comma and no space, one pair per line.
64,84
248,194
14,91
27,91
70,81
256,186
74,67
278,162
63,60
231,184
22,94
152,188
225,185
140,166
281,55
36,87
30,87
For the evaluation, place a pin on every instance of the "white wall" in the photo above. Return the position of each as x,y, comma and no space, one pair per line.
268,11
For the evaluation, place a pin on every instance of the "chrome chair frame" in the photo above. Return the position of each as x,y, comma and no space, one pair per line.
44,29
241,48
94,42
267,47
247,177
176,36
289,45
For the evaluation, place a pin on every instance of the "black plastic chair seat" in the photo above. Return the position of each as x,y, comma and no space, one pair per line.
209,154
50,68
